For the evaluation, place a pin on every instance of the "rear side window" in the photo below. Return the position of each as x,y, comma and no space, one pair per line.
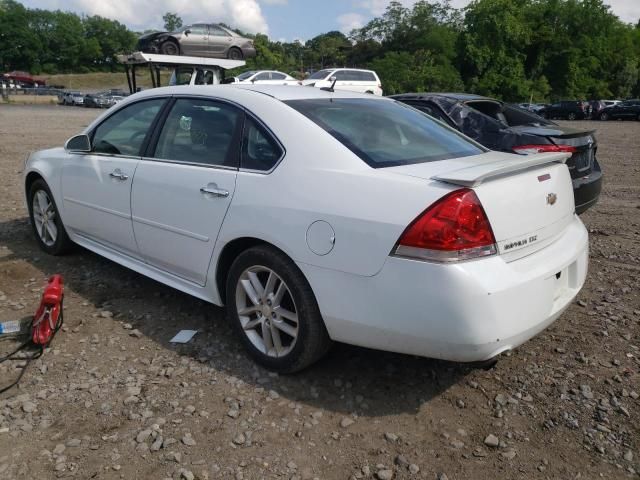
201,132
124,132
260,151
365,77
385,133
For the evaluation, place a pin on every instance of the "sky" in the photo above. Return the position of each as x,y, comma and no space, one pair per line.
285,20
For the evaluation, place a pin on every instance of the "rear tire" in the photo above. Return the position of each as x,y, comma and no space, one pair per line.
45,220
274,311
571,116
235,54
169,47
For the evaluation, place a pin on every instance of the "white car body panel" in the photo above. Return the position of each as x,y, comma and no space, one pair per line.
367,297
175,224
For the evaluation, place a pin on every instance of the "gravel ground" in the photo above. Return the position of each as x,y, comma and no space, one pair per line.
112,398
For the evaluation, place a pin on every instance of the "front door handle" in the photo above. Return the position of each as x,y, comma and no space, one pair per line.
213,190
118,175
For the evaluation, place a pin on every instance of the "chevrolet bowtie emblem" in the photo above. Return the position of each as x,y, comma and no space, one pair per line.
552,198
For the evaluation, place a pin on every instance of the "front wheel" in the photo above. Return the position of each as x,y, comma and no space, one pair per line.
571,116
273,309
45,220
604,117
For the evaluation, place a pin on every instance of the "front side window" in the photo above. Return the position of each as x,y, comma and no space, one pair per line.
263,76
124,131
197,30
246,75
320,75
200,131
385,133
259,150
278,76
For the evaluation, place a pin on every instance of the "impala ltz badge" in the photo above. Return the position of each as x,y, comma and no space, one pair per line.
552,198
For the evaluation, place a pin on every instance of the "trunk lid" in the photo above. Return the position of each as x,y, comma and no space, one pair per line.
528,199
584,141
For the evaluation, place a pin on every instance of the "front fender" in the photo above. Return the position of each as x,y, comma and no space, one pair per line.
47,164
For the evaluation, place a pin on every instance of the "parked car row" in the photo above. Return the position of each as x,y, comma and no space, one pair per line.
104,99
594,110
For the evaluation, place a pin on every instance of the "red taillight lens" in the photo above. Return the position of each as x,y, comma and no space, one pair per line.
454,228
529,149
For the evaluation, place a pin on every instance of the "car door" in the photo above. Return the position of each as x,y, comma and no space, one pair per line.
184,186
96,186
195,40
219,40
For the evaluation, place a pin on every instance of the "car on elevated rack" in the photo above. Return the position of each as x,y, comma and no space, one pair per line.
319,216
199,40
508,128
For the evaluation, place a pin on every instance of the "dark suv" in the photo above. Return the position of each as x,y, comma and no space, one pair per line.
627,110
508,128
567,109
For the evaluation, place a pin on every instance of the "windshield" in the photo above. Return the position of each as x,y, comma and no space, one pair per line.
320,75
386,133
246,75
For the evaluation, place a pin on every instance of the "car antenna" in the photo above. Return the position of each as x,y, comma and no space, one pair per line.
333,81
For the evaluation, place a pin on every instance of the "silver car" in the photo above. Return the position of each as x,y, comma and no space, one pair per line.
199,40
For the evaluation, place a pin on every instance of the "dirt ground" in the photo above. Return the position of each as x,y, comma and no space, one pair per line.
112,398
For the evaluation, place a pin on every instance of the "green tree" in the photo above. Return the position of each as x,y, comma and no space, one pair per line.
19,48
172,21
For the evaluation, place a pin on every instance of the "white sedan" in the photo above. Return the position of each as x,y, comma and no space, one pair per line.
319,216
264,77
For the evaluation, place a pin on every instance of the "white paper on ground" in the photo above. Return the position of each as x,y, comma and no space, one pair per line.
183,336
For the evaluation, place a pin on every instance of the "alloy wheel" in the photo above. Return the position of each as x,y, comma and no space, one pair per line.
267,311
44,214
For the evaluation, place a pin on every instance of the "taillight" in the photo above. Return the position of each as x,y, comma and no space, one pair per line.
529,149
454,228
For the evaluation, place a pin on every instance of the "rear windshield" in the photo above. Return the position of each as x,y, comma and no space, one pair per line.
386,133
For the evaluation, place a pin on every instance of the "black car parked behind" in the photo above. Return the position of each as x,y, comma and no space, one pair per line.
627,110
508,128
567,109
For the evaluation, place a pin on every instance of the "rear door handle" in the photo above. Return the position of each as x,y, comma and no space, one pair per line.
118,175
213,190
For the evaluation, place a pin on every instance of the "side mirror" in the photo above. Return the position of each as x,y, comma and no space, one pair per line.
333,80
187,32
79,143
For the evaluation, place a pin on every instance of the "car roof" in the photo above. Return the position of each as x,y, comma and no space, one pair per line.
278,92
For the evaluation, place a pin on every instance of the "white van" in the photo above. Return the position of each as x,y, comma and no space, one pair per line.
352,79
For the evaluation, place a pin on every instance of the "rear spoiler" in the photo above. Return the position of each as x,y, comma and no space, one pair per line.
477,174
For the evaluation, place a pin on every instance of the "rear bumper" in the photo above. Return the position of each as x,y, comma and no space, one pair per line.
586,190
465,312
248,52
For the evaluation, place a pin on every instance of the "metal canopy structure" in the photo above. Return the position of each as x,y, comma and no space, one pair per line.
155,62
